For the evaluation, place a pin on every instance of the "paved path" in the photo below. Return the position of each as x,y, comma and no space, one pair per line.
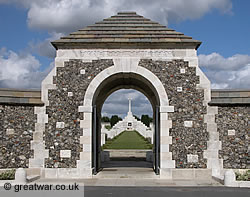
130,176
127,172
131,182
115,174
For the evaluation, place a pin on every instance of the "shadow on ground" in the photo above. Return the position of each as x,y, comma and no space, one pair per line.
120,162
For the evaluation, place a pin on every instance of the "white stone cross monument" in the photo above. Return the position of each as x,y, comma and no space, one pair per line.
129,107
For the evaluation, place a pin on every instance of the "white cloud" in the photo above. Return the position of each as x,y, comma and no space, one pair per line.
20,70
232,72
45,48
117,103
215,61
65,16
60,17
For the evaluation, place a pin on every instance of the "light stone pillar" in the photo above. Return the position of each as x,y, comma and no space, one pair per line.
213,144
166,162
84,164
38,144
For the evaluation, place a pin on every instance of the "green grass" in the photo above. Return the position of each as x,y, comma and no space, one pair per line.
128,140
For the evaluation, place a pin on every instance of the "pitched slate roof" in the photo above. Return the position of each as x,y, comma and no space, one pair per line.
126,30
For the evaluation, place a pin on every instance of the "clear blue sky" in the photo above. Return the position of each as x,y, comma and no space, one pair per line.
222,33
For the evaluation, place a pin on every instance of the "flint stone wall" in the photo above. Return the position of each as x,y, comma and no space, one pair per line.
233,128
17,124
189,134
71,81
188,139
62,132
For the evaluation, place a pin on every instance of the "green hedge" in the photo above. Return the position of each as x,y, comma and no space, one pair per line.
243,177
8,175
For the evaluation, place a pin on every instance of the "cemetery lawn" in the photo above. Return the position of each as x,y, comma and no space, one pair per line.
128,140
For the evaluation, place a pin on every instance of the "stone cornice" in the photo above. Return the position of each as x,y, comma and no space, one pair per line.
136,53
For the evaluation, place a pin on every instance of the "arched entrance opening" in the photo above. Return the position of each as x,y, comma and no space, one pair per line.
111,84
127,131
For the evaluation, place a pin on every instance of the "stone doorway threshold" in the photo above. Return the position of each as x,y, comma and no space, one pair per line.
126,167
127,172
135,172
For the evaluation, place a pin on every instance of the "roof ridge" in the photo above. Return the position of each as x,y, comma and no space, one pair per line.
126,12
125,20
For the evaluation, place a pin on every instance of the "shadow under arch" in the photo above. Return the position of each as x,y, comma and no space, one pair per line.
140,73
125,81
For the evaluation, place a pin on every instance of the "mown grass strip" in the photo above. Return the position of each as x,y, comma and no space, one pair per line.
128,140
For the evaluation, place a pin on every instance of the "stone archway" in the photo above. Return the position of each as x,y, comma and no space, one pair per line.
125,73
169,63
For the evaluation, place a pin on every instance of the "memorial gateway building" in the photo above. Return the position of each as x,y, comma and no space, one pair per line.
56,132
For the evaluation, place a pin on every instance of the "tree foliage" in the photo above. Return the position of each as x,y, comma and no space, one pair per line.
108,127
114,119
105,119
137,118
146,120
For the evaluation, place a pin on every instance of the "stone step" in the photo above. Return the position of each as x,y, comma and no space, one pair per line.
132,173
32,178
127,153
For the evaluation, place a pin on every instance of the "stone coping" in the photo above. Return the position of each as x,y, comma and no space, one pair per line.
20,96
33,96
231,90
224,93
230,97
